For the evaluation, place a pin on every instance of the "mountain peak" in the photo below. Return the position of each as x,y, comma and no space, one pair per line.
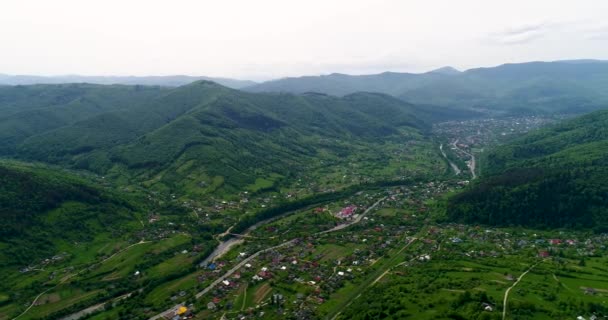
446,70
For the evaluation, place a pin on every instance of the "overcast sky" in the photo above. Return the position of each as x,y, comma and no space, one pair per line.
265,39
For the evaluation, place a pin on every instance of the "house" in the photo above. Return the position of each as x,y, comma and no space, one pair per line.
347,212
182,310
487,307
555,242
543,254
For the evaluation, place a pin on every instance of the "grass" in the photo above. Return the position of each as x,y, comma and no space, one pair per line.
347,294
261,293
178,262
163,292
431,287
334,252
60,299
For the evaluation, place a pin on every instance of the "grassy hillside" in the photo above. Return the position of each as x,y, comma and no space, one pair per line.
204,132
44,210
555,177
535,87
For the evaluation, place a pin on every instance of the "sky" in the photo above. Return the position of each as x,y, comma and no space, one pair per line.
266,39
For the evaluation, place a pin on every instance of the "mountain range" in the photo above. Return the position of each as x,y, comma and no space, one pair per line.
202,131
168,81
571,86
567,86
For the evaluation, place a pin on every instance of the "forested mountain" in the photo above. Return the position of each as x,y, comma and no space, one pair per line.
556,87
169,81
29,110
45,210
554,177
202,130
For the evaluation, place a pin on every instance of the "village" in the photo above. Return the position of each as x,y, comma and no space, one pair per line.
307,277
315,261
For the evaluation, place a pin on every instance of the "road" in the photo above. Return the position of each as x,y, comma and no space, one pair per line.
95,308
356,220
224,246
255,255
457,170
505,300
472,163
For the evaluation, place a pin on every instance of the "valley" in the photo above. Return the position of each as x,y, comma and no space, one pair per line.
205,202
314,256
317,160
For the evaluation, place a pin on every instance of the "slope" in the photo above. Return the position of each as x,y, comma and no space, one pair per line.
206,131
45,210
30,110
554,177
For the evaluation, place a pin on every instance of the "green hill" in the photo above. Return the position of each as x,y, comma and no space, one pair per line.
29,110
554,177
44,211
204,131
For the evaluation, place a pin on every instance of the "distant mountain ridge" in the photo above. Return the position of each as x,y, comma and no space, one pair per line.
571,86
169,81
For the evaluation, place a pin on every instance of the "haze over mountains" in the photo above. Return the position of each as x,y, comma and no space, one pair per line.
169,81
561,86
568,86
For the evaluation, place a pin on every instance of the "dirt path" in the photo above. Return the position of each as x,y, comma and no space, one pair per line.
123,250
65,279
364,286
505,300
244,297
